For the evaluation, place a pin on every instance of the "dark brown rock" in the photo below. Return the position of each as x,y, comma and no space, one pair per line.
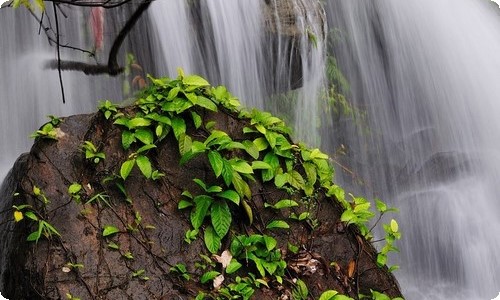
31,270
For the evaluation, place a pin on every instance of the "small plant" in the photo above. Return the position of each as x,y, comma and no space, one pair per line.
48,130
180,270
71,297
262,251
214,204
300,290
100,198
74,190
107,108
140,274
91,152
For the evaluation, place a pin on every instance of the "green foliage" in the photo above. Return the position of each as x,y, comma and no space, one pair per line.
180,270
74,190
47,131
261,251
91,152
300,291
107,108
109,230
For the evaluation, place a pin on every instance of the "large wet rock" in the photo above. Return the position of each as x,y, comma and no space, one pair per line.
140,268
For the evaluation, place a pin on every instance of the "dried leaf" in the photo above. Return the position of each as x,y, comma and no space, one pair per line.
218,281
224,258
351,268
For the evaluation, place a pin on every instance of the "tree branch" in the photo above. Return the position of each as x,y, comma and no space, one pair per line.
112,68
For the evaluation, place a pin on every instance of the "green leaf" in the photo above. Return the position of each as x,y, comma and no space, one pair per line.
260,165
248,211
261,143
197,121
184,204
316,153
272,160
144,165
381,259
241,166
230,195
208,276
285,203
212,240
179,126
381,206
241,186
206,103
201,183
297,181
172,94
145,148
278,224
227,172
379,296
300,291
144,135
251,149
311,173
195,80
394,226
31,215
348,216
127,139
221,217
233,266
138,122
202,203
216,161
74,188
280,180
328,295
342,297
109,230
114,246
185,143
126,168
270,242
34,236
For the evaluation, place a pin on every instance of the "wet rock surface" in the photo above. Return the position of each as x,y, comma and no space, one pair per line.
83,263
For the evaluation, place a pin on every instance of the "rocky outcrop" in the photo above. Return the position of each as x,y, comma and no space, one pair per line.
87,259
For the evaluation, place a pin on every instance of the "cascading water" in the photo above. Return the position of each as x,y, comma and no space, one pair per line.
427,74
28,91
253,47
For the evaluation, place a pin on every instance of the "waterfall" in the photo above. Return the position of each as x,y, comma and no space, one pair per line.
255,48
427,72
28,91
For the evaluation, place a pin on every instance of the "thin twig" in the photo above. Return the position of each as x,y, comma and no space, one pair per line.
54,5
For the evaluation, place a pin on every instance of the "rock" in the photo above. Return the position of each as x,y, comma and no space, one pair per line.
84,263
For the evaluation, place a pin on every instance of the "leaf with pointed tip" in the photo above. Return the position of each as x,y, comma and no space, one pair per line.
195,80
144,165
212,240
144,135
221,217
230,195
198,214
126,168
216,161
278,224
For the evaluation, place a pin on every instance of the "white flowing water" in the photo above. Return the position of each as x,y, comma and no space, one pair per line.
28,92
426,71
428,74
230,43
